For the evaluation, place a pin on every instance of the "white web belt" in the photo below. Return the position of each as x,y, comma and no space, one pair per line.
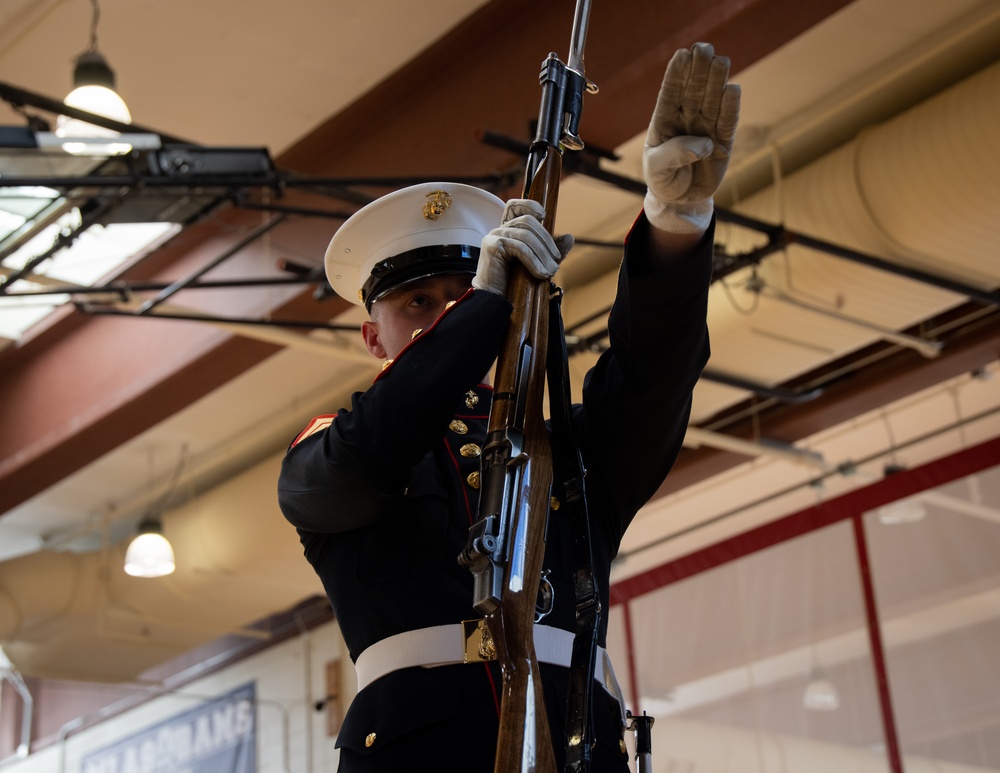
444,645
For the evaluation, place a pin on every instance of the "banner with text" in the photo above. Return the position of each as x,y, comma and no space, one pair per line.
219,736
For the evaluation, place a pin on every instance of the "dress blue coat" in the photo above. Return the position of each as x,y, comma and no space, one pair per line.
383,497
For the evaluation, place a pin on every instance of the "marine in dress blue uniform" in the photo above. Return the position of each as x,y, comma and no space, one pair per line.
383,492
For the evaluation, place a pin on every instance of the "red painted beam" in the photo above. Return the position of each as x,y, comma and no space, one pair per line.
896,486
898,376
877,648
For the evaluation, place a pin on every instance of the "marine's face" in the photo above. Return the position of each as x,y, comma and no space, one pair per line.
414,306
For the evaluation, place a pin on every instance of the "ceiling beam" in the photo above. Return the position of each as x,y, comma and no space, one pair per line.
895,377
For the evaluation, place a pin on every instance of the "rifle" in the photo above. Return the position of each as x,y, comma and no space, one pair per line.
507,543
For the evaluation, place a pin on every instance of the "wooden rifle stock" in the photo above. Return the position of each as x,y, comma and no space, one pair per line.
507,543
524,742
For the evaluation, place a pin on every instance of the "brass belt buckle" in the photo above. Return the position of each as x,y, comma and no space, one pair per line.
479,646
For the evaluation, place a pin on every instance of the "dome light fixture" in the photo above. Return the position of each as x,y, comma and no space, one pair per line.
94,92
908,510
820,694
150,553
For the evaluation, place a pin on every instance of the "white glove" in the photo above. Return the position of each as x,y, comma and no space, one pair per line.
522,237
689,140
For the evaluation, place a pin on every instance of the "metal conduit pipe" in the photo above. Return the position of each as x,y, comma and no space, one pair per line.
11,676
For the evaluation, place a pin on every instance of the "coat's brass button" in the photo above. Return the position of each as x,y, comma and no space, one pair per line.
470,450
473,479
458,426
369,739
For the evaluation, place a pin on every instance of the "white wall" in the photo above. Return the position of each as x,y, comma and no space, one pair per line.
291,735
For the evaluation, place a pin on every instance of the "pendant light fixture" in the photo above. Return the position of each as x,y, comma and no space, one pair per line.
150,553
93,91
820,693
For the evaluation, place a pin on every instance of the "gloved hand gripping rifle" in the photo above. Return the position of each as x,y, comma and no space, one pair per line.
507,542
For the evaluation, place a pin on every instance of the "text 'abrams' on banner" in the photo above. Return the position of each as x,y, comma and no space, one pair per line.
219,736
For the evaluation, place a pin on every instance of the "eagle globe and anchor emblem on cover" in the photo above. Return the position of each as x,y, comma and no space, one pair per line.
439,202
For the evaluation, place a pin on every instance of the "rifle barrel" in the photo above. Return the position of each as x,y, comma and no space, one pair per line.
581,20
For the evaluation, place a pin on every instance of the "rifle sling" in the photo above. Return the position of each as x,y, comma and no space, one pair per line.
568,487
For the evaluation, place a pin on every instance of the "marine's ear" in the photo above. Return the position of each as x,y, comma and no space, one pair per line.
370,334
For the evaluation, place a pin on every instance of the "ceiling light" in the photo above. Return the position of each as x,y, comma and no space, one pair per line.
902,511
149,554
94,92
820,693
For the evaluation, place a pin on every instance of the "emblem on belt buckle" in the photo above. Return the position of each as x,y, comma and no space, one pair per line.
479,645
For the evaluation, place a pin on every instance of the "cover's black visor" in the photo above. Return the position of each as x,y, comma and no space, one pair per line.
422,262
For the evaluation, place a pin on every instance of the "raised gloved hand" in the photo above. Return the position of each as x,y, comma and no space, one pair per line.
689,140
522,237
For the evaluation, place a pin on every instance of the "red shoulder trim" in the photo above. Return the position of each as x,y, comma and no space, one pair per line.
632,228
320,422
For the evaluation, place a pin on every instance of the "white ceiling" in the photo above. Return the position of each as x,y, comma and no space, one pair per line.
222,75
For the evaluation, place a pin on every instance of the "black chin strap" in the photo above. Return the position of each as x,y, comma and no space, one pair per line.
568,488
